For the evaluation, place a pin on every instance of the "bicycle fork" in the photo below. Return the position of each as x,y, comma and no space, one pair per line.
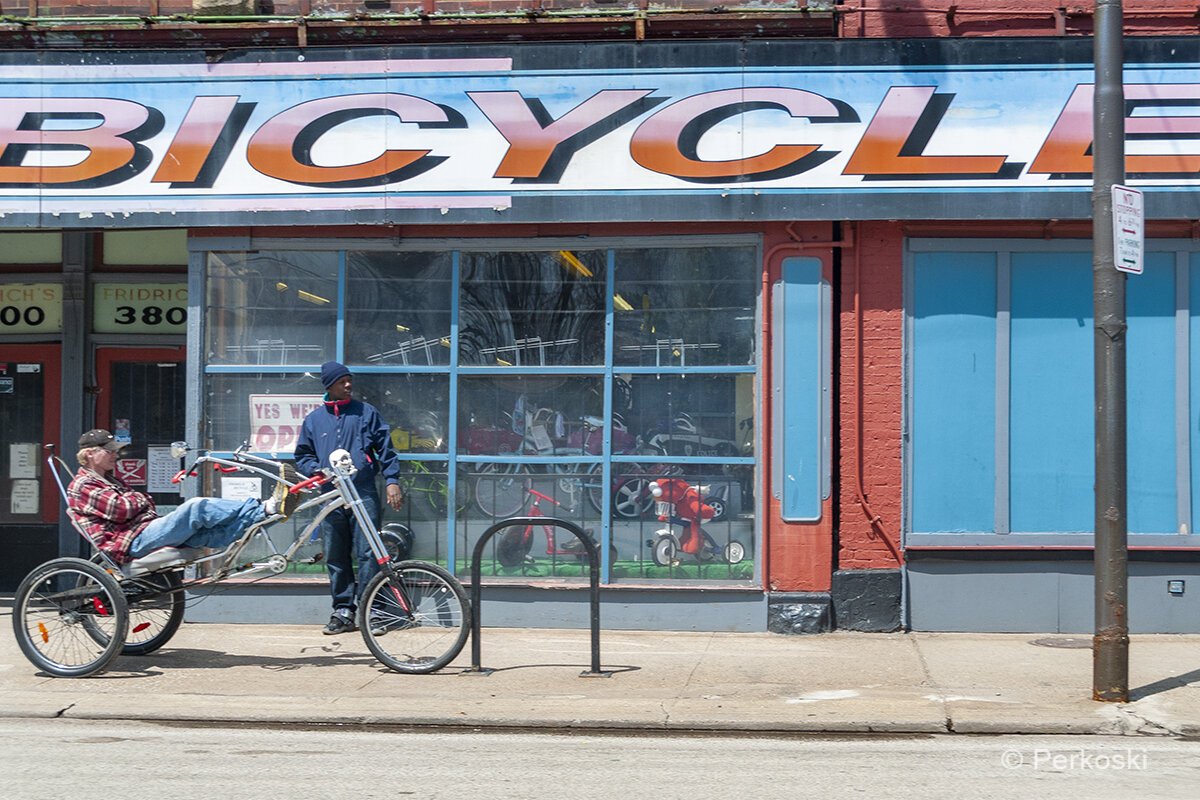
354,502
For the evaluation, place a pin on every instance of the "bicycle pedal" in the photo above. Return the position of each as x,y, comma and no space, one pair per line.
314,560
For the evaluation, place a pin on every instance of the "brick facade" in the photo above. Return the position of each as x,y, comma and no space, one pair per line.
869,533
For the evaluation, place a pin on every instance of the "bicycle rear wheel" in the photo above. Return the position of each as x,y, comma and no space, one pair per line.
416,622
500,489
155,619
56,611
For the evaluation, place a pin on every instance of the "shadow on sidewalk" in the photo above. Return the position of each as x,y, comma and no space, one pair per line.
607,668
1165,685
172,658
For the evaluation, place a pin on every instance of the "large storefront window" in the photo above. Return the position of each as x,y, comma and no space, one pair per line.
534,381
1001,395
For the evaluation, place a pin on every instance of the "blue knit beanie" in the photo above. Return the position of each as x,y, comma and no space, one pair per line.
331,372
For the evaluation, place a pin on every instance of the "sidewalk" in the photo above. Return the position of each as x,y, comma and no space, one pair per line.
841,682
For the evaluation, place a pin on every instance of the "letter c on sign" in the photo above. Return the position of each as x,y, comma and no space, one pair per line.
666,142
282,147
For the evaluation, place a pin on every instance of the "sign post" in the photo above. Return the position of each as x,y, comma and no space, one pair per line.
1110,644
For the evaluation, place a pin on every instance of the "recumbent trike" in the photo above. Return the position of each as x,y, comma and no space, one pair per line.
73,616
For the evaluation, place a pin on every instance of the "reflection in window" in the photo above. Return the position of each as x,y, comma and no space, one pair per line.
263,409
544,415
696,416
532,309
675,308
398,308
271,307
413,406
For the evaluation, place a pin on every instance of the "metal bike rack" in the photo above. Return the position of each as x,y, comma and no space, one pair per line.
593,554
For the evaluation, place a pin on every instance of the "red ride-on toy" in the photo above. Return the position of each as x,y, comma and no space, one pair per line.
676,502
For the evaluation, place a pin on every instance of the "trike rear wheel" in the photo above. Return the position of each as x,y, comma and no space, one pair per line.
58,608
156,608
417,621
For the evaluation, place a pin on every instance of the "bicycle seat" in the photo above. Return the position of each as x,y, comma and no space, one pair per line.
160,559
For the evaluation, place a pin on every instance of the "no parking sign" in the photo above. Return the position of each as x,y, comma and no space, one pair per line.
132,471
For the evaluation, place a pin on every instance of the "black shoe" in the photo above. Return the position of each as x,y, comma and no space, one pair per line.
339,623
379,625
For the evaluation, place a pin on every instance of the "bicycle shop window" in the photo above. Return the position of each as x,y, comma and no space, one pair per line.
611,386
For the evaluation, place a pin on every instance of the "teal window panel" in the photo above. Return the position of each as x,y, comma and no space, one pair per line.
1194,380
1051,431
953,395
1150,397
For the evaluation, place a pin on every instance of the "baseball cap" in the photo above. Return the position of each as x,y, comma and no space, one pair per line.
98,437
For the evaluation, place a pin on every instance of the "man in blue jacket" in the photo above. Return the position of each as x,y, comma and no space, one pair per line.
348,424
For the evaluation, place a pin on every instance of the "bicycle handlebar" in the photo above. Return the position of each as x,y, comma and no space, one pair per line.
315,480
538,494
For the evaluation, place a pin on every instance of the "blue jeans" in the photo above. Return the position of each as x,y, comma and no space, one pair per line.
345,546
199,522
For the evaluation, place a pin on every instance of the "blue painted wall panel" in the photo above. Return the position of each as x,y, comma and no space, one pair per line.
1051,431
953,412
802,382
1150,396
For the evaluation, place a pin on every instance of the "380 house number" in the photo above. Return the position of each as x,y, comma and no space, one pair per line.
150,315
30,315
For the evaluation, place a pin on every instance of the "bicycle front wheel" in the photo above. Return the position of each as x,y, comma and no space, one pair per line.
57,611
417,621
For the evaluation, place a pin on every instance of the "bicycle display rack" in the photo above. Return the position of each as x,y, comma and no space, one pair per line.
593,556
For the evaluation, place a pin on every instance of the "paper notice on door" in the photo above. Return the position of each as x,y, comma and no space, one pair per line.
24,497
22,460
160,468
241,488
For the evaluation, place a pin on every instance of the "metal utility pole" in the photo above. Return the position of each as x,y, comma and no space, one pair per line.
1110,645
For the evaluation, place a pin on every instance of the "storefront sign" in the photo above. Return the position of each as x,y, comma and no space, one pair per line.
140,308
956,129
160,468
26,497
30,308
275,420
22,460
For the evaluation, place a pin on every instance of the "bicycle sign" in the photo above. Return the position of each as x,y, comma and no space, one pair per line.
1129,220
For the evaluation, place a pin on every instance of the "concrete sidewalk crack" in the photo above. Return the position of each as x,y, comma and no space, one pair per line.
928,681
1131,721
699,661
64,711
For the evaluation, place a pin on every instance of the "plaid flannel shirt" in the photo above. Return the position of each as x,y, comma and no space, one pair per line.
110,513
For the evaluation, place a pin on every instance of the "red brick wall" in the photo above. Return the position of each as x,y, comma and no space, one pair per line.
903,19
860,18
863,544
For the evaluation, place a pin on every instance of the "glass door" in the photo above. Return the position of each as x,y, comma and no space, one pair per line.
29,409
142,400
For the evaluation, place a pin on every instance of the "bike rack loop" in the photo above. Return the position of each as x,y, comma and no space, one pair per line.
593,554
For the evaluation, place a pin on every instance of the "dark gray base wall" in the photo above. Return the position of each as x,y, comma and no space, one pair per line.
1034,596
866,600
513,607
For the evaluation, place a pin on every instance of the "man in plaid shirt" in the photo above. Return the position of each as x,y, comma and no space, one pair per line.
124,523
